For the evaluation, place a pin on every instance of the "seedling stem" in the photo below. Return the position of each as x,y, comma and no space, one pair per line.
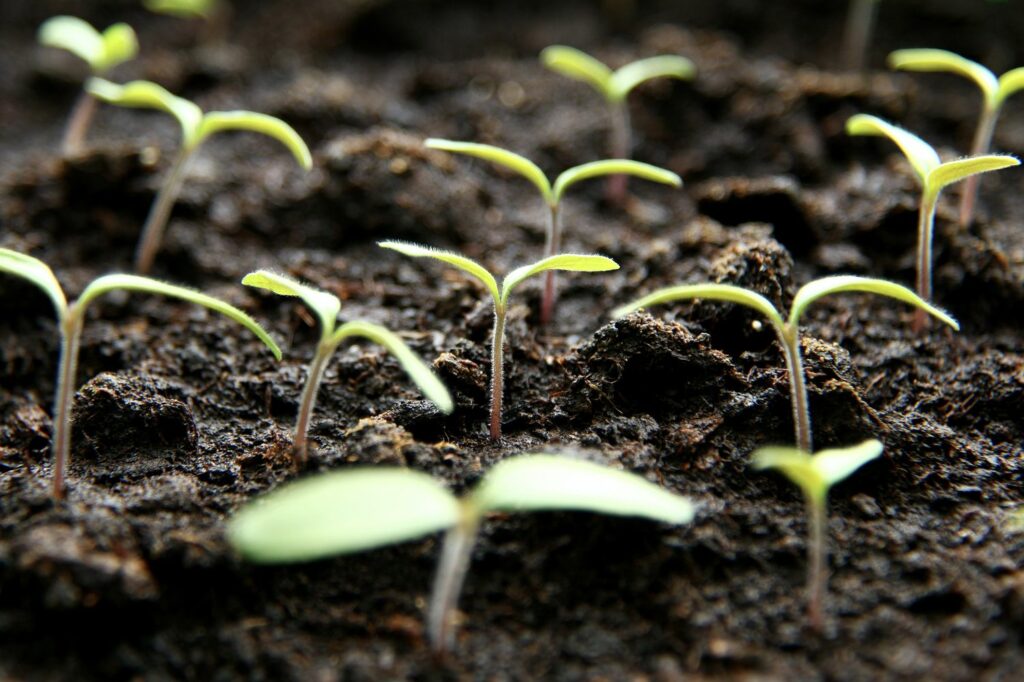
156,222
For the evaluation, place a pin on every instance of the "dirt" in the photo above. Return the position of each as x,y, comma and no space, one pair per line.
181,417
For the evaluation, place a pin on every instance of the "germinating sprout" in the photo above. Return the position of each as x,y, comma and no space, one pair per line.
101,51
815,474
553,193
326,306
350,511
615,87
933,175
788,330
71,317
196,126
860,23
994,92
570,262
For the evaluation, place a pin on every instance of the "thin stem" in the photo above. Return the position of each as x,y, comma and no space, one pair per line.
317,368
451,574
790,340
621,148
156,222
817,551
552,245
497,370
925,228
78,123
982,143
71,338
860,21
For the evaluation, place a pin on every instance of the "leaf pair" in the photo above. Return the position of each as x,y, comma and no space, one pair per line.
995,90
101,51
616,85
815,474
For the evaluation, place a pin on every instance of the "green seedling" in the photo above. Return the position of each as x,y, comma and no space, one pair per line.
101,51
71,317
994,92
351,511
195,128
615,87
788,330
553,193
567,261
185,9
326,306
860,23
815,474
933,176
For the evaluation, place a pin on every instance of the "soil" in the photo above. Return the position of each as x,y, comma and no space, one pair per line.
181,418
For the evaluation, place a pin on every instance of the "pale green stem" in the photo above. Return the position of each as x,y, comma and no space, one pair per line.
982,143
78,123
317,368
156,222
497,369
789,337
925,228
71,338
817,553
621,148
553,244
451,574
860,20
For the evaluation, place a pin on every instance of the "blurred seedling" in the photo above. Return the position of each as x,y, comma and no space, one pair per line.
788,330
553,193
567,261
71,317
860,24
101,51
815,474
933,176
350,511
215,14
326,306
195,127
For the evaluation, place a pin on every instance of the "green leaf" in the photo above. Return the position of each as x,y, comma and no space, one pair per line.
816,474
502,157
119,45
342,512
143,94
418,371
826,286
465,264
108,283
38,273
1010,82
954,171
217,121
325,305
838,463
74,35
613,167
571,262
946,61
632,75
918,152
578,65
185,9
715,292
549,482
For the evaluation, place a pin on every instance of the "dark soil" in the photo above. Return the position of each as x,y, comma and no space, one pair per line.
181,418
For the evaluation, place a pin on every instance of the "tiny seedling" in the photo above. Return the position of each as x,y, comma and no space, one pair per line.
994,92
185,9
567,261
815,474
933,175
71,317
195,127
860,23
788,331
553,193
101,51
351,511
615,87
326,306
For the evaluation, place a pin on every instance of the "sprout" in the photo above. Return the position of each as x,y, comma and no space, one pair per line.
615,86
101,51
185,9
815,474
788,331
71,318
552,193
860,22
351,511
994,92
567,261
933,176
195,127
326,307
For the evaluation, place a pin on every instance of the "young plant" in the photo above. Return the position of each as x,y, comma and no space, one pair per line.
567,261
185,9
788,330
615,87
195,127
994,92
553,193
860,23
101,51
326,306
815,474
351,511
71,317
933,176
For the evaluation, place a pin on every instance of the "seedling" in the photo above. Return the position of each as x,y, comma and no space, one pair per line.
195,127
860,23
185,9
101,51
994,92
615,87
351,511
567,261
71,318
552,193
788,330
326,306
815,474
933,175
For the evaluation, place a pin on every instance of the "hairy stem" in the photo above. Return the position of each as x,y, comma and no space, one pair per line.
817,551
790,339
497,370
981,145
71,338
621,148
860,21
156,222
317,368
925,228
451,574
78,123
553,244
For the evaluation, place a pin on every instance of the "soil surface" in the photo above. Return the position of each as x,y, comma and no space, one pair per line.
181,417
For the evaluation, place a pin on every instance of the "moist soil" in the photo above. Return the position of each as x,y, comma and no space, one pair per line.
181,417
